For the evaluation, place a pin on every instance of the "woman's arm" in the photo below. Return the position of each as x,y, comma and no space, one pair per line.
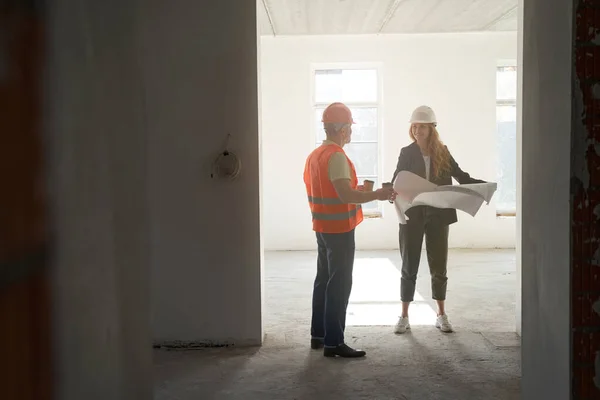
403,164
461,176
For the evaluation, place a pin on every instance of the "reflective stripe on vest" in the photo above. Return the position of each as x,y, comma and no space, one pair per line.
336,217
324,200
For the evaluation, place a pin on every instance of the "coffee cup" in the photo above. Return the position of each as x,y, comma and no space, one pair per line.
368,185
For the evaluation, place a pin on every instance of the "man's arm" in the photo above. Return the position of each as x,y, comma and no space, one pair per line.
350,196
339,174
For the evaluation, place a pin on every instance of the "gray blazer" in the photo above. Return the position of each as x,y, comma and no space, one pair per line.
411,160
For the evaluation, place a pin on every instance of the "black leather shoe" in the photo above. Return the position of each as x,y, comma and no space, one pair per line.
316,344
343,350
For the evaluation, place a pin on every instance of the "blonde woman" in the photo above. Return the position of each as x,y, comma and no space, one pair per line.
429,158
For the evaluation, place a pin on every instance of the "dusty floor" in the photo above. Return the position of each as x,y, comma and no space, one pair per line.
479,361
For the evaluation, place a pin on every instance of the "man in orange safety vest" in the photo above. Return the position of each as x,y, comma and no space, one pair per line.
335,200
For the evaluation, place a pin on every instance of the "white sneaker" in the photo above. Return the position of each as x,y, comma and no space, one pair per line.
442,324
402,325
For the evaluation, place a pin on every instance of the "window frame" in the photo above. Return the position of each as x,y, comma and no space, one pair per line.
377,104
503,213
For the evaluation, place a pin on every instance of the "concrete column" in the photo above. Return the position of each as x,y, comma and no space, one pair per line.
97,160
545,211
200,62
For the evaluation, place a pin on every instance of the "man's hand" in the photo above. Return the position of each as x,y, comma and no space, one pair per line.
384,194
354,196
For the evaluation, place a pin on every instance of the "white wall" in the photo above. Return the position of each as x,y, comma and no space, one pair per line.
200,66
519,235
454,73
547,139
98,180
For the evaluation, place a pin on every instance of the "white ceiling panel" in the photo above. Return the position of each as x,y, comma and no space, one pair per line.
327,17
341,17
506,23
264,23
426,16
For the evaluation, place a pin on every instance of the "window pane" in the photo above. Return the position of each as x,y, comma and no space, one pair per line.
506,83
374,205
370,207
507,113
506,196
328,86
359,85
365,129
364,157
347,85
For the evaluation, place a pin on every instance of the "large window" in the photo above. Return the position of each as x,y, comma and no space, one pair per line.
359,90
506,139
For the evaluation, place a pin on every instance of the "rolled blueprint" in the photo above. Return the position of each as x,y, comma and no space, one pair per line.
415,191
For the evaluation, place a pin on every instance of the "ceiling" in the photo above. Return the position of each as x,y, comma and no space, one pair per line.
347,17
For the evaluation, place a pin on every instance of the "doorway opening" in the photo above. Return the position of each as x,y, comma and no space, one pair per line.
470,80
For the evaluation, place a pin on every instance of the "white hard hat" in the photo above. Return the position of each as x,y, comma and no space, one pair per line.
423,115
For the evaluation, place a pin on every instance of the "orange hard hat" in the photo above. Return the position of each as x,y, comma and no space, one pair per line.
337,113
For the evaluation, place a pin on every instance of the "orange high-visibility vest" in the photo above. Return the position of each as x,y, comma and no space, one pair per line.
329,214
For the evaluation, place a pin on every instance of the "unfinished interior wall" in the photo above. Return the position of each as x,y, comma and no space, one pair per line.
585,204
546,143
454,73
97,159
200,64
25,300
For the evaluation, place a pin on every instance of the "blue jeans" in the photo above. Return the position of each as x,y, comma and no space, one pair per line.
332,286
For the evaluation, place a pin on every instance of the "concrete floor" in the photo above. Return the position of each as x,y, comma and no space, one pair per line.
479,361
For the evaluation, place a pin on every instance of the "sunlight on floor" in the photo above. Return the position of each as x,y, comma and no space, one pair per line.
375,298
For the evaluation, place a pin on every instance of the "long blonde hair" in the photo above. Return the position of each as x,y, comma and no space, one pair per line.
439,153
